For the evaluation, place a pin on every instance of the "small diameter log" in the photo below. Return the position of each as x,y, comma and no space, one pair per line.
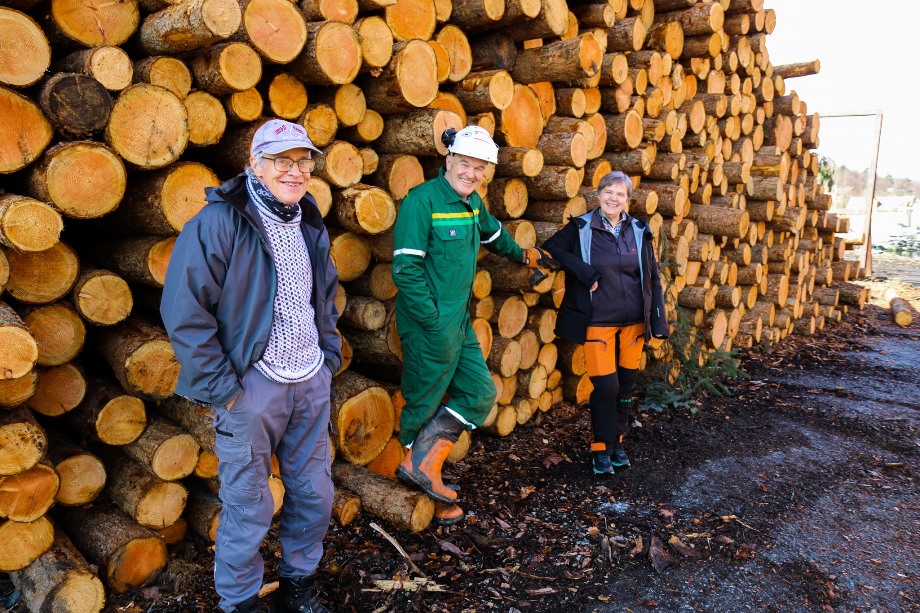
20,349
404,507
345,506
193,418
59,390
111,66
472,15
149,500
513,277
387,460
367,130
246,106
24,63
376,43
207,119
901,309
24,131
409,81
24,542
504,356
341,164
275,28
58,331
332,55
82,179
519,162
141,356
417,133
504,422
365,209
190,24
127,554
510,314
82,474
16,391
165,449
42,276
532,383
624,131
28,495
165,122
225,68
203,511
364,313
362,418
398,173
507,197
22,441
27,224
109,415
347,101
164,71
285,95
530,348
566,60
60,580
351,255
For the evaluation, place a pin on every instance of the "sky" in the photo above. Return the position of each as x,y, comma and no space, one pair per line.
868,64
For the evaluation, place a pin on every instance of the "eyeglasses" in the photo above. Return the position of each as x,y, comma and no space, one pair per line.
285,164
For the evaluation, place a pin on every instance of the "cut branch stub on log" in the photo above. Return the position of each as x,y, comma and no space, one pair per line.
362,417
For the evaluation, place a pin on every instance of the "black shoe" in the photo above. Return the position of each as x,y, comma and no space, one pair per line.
601,463
250,605
618,457
297,596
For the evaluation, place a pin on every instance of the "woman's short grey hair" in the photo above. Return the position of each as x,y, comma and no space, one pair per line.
260,159
613,177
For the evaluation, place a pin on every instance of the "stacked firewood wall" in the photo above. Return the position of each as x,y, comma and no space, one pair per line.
114,117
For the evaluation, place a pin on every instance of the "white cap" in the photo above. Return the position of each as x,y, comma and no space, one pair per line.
277,136
475,142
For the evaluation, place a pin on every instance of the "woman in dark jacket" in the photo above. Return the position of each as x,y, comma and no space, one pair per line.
613,303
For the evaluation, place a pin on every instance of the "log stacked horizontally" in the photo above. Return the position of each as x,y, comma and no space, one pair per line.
114,117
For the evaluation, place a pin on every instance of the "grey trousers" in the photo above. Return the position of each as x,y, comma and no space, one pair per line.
290,420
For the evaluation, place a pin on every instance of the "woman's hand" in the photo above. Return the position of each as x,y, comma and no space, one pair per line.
593,287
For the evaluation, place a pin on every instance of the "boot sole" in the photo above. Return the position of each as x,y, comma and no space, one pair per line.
405,475
449,522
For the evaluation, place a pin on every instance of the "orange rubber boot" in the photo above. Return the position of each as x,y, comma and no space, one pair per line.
448,514
422,465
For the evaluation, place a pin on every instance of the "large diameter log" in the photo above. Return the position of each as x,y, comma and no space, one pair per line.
149,500
510,315
40,277
22,441
76,104
82,179
344,11
409,81
285,95
365,209
552,21
109,415
27,224
569,149
127,554
566,60
417,133
81,473
166,450
203,511
141,356
720,221
624,131
521,124
207,119
60,580
23,63
411,19
458,50
332,55
554,183
142,259
102,297
24,131
351,255
164,134
58,331
362,417
398,173
507,198
28,495
20,349
24,542
404,507
276,29
190,24
376,42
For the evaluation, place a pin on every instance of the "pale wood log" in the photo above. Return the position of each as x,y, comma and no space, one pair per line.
149,500
624,131
519,162
411,19
401,506
577,389
24,63
507,197
60,580
365,209
853,295
164,71
798,69
521,124
417,133
376,42
111,66
24,542
165,122
141,356
504,356
510,315
188,25
276,29
567,149
485,91
109,415
720,221
127,554
284,93
504,422
207,119
102,297
27,224
567,60
345,506
16,391
364,313
40,277
458,50
76,104
24,131
245,106
362,417
347,101
408,81
377,283
552,21
82,179
901,309
570,101
332,55
94,23
27,496
398,173
175,533
82,474
532,382
344,11
367,130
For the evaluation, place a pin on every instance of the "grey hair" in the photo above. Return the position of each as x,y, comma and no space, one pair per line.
613,177
260,159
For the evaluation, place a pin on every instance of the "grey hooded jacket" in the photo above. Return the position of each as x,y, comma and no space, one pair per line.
218,298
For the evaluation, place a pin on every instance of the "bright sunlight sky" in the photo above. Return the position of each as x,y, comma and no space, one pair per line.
868,63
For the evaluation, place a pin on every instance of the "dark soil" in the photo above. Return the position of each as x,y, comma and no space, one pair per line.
798,492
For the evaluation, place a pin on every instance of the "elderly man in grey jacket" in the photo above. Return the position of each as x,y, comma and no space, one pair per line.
249,305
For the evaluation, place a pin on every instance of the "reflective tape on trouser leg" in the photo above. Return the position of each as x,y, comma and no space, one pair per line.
472,391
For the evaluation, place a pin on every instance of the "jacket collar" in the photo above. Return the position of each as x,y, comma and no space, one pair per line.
233,192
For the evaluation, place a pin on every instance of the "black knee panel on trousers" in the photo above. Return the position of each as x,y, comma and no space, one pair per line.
604,408
627,380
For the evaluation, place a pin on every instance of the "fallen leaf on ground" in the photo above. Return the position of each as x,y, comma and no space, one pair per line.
661,559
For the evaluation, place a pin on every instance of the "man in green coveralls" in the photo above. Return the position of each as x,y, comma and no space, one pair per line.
440,226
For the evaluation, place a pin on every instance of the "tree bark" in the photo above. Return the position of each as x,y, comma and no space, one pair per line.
399,505
141,356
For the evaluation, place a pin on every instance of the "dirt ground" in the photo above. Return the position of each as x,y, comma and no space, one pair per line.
798,492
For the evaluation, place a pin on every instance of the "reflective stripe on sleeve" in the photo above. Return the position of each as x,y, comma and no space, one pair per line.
417,252
493,237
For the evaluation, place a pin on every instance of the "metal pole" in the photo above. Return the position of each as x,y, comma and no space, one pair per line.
865,259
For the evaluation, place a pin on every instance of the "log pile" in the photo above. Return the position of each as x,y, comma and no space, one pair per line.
116,116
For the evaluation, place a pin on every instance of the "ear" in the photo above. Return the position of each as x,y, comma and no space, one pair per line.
254,163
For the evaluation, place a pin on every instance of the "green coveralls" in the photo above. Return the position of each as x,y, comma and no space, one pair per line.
435,243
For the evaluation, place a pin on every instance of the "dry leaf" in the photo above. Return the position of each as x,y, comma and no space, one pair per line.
542,590
551,460
661,559
639,546
527,491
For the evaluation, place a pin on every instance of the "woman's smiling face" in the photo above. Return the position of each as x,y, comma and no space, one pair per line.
613,200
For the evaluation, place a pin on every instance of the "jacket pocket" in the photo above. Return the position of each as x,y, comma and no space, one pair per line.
451,242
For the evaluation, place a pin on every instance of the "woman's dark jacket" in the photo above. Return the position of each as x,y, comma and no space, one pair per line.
572,247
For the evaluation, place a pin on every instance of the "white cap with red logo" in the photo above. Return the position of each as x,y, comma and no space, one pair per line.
278,136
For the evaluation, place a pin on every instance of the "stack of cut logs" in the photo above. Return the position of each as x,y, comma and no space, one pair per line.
114,117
